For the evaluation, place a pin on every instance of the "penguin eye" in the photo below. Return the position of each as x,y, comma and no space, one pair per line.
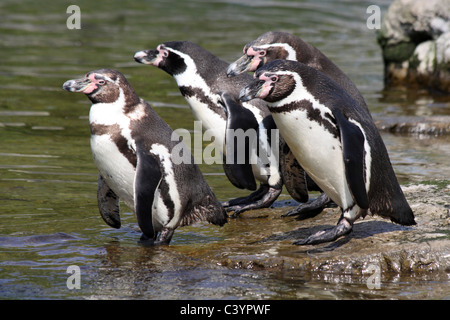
274,78
262,53
101,82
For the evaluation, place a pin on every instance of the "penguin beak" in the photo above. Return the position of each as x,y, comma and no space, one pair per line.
241,65
146,56
77,85
252,91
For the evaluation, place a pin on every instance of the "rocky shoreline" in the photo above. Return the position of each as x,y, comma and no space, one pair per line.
429,125
421,251
415,41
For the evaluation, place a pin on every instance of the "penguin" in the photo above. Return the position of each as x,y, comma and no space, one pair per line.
275,45
213,98
132,149
334,140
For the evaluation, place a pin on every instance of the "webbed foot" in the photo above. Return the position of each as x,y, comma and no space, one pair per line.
310,209
343,227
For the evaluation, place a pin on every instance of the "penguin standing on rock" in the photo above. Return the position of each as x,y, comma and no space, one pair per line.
334,140
275,45
213,98
132,148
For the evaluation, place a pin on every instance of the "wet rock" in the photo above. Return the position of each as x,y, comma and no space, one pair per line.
415,40
261,239
429,125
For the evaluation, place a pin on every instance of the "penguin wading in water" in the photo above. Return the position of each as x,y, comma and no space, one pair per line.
132,149
213,98
334,140
274,45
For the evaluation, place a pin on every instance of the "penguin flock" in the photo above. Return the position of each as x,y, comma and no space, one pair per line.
306,127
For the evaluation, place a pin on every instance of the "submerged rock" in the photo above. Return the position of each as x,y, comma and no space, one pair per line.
415,39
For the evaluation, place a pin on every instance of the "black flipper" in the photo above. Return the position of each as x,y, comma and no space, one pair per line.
352,140
236,166
232,176
148,176
108,204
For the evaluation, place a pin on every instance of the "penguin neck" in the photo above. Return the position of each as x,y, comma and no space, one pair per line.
205,66
303,50
110,113
299,92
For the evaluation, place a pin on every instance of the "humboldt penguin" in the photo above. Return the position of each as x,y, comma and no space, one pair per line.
334,140
275,45
213,98
132,149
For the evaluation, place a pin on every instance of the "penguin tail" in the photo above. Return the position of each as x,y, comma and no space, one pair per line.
209,209
405,218
401,211
398,211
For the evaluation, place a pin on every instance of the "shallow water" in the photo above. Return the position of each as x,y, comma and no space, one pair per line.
49,219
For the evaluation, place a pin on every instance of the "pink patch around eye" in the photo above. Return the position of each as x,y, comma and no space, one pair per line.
251,52
91,87
163,53
264,78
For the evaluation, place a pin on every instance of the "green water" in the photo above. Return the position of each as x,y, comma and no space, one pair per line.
48,179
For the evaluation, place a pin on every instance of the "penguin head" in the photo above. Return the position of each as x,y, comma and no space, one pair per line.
266,48
101,86
272,82
172,57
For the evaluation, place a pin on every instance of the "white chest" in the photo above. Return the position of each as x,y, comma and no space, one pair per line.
115,168
117,171
213,123
317,151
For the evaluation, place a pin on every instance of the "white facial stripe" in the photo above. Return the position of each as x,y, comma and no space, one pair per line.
105,77
191,78
292,55
109,79
166,161
300,93
117,81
